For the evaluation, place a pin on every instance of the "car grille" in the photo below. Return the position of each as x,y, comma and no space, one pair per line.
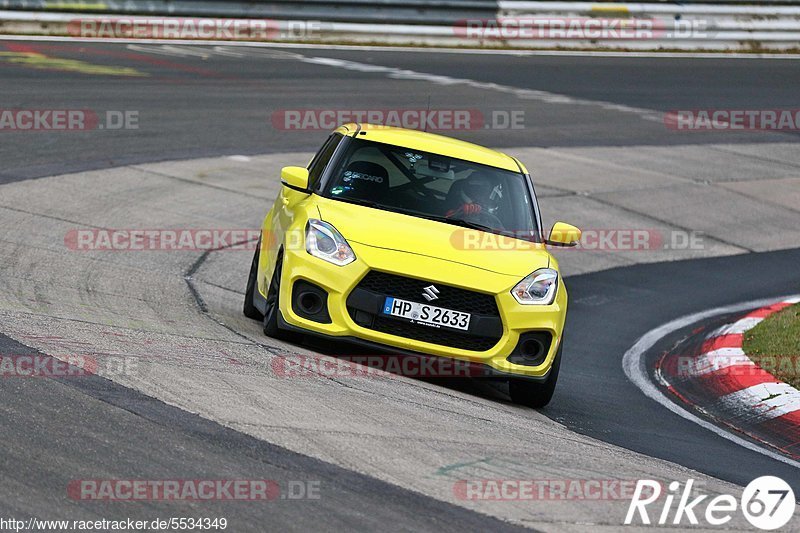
411,289
476,303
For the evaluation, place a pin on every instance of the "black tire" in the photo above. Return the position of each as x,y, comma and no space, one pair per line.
271,328
250,310
536,395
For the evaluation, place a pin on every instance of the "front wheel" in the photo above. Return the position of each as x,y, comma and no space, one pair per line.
534,394
272,309
249,308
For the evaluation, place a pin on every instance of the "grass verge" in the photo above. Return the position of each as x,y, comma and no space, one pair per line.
774,344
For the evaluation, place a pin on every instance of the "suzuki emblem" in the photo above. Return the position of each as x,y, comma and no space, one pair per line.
430,293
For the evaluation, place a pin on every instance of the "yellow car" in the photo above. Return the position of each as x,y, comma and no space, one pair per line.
413,243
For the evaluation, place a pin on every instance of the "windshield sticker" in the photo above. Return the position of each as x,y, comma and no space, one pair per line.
351,175
413,158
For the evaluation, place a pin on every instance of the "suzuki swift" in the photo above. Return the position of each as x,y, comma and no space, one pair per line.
414,243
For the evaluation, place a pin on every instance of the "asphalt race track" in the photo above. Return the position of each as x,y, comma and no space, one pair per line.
207,103
202,403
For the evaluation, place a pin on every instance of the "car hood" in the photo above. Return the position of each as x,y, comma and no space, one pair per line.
406,233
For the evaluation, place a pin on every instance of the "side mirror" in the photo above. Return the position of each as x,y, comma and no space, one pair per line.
295,178
564,234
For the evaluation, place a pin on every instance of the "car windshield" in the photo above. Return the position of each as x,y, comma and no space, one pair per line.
433,186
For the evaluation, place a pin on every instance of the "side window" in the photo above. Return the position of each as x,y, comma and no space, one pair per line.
321,160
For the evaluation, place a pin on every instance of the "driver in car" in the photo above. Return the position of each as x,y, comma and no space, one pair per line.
473,195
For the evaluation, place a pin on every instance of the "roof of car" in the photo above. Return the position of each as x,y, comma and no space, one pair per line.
431,142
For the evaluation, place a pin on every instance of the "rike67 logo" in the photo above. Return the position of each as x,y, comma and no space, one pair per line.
767,502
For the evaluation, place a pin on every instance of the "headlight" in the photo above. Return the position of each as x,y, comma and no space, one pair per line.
538,288
323,241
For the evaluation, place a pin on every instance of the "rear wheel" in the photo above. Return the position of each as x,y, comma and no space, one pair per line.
272,309
249,309
534,394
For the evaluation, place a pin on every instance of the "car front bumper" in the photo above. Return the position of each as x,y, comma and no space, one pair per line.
339,282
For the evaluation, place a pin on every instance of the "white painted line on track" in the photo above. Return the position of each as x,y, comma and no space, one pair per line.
524,94
634,366
417,49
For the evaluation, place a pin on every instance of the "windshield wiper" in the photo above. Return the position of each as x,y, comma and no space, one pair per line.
466,224
454,221
460,222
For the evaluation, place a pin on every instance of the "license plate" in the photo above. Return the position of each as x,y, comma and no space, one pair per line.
429,315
